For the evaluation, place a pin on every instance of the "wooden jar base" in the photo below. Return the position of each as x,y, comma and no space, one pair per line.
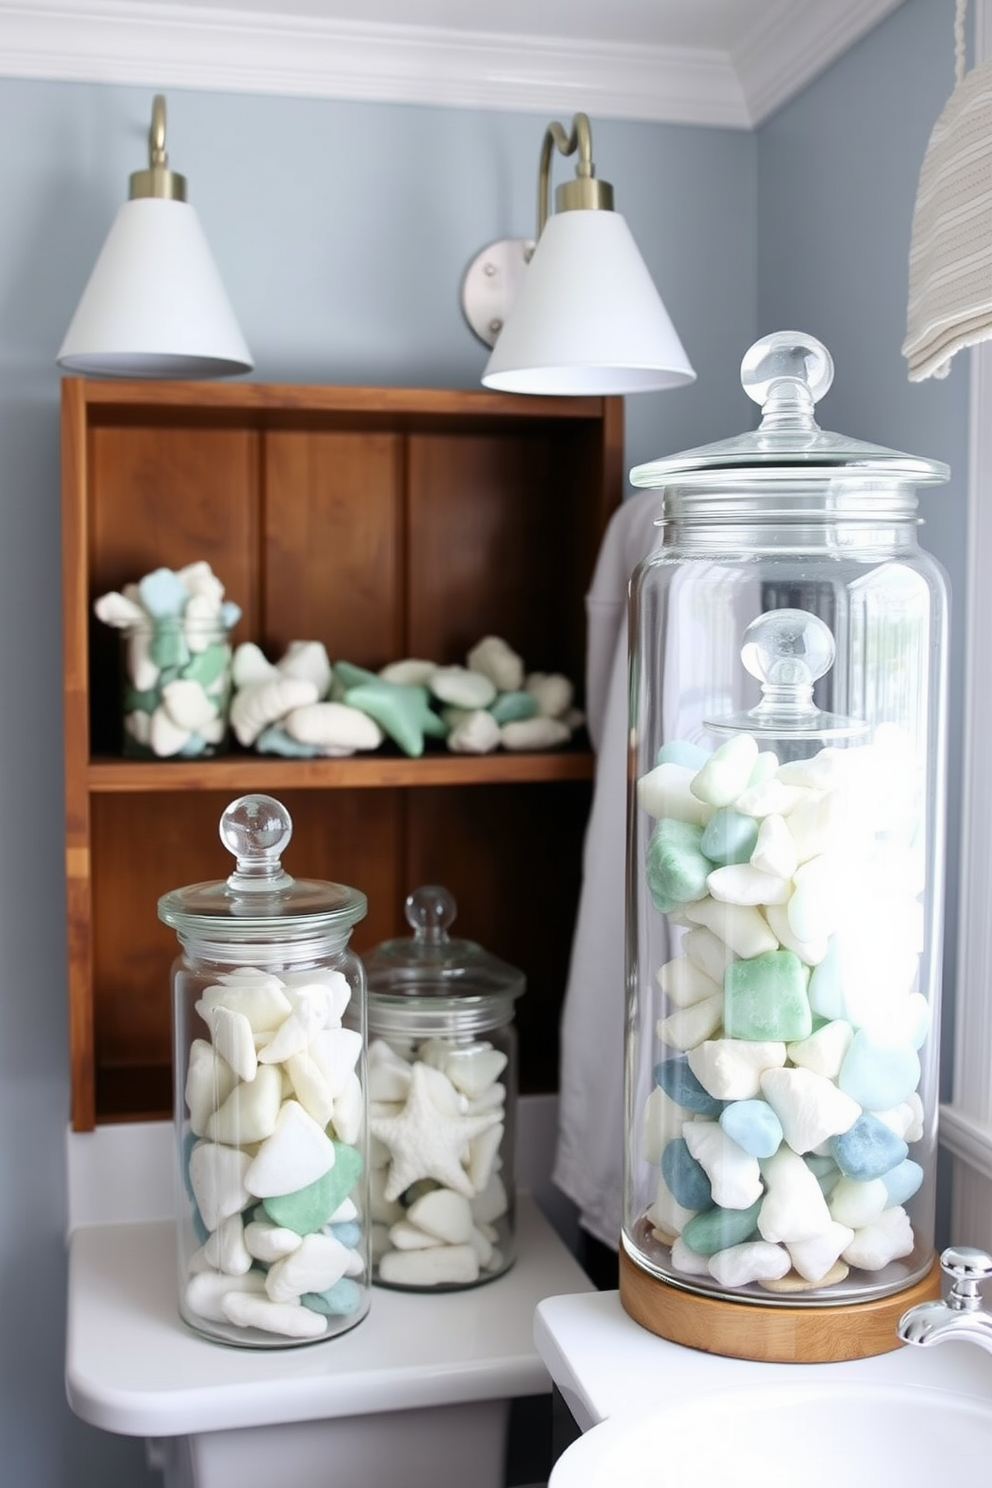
779,1335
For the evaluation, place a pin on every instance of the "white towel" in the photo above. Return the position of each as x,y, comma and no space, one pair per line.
950,257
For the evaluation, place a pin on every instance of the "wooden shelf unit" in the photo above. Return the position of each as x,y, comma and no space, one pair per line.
387,523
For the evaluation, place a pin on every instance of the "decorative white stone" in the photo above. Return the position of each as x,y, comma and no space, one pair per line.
666,1213
187,705
688,1261
483,1154
412,671
297,1154
443,1214
316,1264
552,691
249,665
534,733
687,1027
742,927
731,1069
823,1052
888,1238
250,1112
684,984
307,659
775,852
817,903
461,687
740,883
810,1108
233,1039
348,1117
707,951
727,771
388,1076
225,1250
793,1208
119,611
334,726
287,1318
165,736
735,1177
209,1081
665,792
771,797
812,952
254,707
497,660
754,1260
217,1178
404,1235
472,1070
270,1242
256,995
856,1203
205,1292
451,1265
815,1258
477,732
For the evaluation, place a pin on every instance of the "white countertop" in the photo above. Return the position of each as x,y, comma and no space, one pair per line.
605,1364
134,1368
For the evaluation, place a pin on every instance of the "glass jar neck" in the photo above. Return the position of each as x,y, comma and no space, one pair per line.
406,1017
791,514
280,951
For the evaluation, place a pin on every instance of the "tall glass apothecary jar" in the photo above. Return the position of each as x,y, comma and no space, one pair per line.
785,833
270,1099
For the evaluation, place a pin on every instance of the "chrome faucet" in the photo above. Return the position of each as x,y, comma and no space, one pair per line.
962,1314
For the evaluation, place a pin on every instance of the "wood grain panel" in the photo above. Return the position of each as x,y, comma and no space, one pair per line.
333,539
144,847
512,857
482,548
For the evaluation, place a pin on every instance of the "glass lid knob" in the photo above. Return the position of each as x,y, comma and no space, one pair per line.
787,651
429,911
787,373
257,829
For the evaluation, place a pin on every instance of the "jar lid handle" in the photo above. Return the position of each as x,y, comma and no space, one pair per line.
429,911
787,373
257,829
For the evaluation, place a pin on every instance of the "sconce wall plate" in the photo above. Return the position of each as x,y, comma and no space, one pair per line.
491,285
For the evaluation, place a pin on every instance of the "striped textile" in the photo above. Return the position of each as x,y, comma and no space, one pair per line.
950,258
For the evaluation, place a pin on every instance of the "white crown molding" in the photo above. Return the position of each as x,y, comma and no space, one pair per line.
212,47
797,41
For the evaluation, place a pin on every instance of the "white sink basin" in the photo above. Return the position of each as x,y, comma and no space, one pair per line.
804,1435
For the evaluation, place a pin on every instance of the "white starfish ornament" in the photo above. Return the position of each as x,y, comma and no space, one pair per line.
426,1142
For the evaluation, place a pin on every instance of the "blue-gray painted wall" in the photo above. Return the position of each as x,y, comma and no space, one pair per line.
342,232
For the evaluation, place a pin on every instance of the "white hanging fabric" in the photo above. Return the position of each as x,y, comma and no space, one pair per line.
588,1165
950,257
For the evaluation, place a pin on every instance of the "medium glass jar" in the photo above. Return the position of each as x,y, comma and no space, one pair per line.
176,686
442,1085
271,1112
785,873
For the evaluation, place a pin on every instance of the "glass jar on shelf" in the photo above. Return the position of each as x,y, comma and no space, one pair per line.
270,1102
785,829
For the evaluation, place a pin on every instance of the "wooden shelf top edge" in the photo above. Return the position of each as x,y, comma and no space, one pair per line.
242,772
315,398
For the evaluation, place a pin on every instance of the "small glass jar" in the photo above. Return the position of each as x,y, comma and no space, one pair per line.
176,685
270,1103
785,823
442,1082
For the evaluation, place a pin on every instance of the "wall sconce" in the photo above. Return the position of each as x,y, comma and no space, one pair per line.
154,305
577,312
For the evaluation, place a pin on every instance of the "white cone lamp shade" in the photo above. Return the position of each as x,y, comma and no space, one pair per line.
154,305
587,318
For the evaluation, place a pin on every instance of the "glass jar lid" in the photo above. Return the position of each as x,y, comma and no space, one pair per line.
433,965
259,900
786,373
